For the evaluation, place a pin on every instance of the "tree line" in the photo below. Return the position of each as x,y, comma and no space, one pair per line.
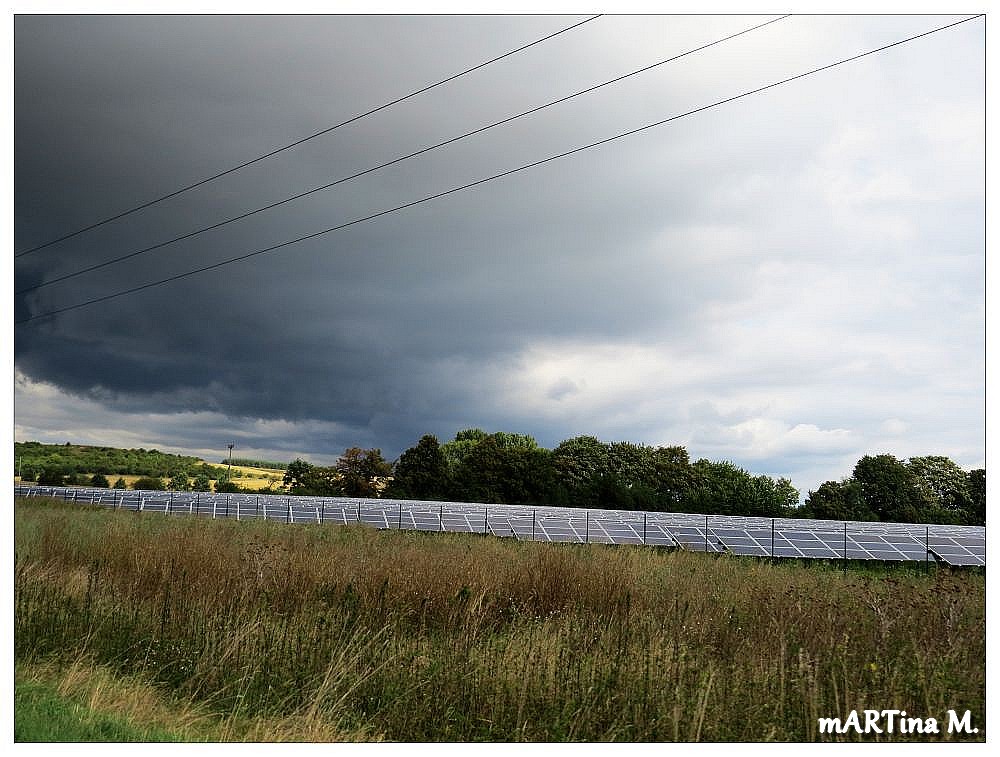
583,471
928,489
69,461
509,468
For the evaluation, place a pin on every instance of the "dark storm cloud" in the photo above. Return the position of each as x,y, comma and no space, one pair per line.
505,306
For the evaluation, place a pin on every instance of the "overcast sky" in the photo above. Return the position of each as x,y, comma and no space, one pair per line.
789,281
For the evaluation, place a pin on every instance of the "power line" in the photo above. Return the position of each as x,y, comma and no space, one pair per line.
298,142
359,174
463,187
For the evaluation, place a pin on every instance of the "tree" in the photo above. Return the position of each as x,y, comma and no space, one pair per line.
496,470
363,473
838,500
226,486
944,486
202,483
459,448
304,479
51,477
672,476
148,483
99,480
471,435
178,481
977,496
422,471
631,464
578,465
774,498
724,488
120,483
296,475
889,490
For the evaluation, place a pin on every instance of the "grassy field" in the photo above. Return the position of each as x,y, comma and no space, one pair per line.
262,631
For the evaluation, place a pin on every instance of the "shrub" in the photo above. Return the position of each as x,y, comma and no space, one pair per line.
148,483
50,477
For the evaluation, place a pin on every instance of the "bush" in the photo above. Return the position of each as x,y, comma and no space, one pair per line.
201,483
49,477
148,483
179,481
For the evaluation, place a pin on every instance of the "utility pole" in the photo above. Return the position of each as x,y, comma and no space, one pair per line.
230,471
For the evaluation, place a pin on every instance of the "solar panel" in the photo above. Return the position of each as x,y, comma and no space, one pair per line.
753,536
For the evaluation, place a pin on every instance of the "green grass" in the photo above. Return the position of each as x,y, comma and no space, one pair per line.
41,714
324,632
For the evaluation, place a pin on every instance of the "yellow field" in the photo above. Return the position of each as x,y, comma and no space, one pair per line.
250,478
257,478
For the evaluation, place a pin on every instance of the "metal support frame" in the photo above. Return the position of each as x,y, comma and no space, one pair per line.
845,546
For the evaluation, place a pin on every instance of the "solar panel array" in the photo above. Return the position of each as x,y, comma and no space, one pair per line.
760,537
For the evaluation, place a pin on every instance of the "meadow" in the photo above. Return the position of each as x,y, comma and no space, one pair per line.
202,630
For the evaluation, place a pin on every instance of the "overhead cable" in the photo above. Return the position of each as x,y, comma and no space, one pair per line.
494,177
298,142
392,162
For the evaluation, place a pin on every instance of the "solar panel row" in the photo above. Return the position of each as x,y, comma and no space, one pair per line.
761,537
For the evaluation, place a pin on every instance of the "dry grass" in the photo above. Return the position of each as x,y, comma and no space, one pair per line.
444,636
146,706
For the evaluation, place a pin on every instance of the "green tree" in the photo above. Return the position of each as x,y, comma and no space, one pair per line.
672,477
100,481
838,500
51,477
459,448
363,473
889,490
226,486
944,486
471,435
497,470
631,464
120,483
202,483
421,472
148,483
579,464
977,496
724,488
178,481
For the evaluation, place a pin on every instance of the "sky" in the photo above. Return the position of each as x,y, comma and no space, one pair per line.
789,281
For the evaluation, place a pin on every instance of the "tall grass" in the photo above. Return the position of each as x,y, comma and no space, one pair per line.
423,637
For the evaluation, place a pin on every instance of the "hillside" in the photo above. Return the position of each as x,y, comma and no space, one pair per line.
80,462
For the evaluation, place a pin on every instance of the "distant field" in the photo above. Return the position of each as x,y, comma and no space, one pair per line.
252,478
310,633
258,478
